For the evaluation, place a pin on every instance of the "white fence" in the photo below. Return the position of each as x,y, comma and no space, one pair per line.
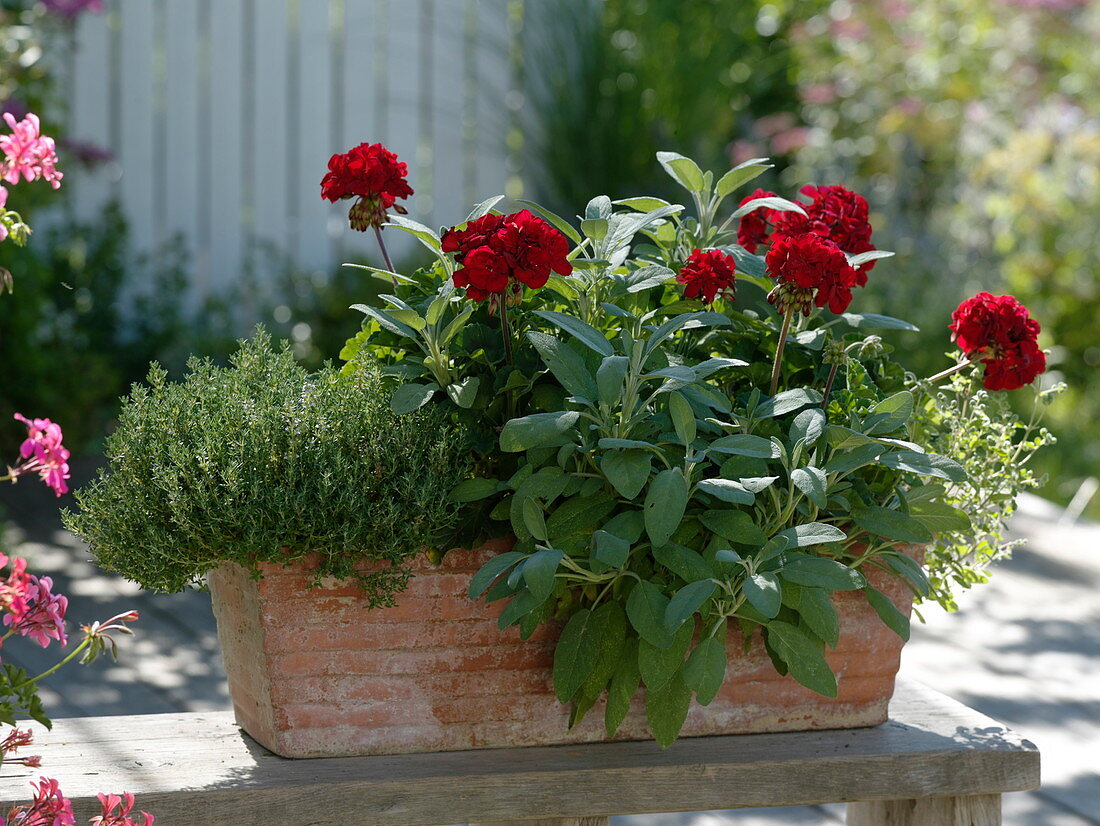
223,113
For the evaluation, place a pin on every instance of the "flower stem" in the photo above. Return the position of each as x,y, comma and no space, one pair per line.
779,349
62,663
829,385
385,254
950,371
505,330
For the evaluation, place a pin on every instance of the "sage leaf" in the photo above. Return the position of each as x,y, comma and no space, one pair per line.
645,608
727,490
788,401
818,612
575,655
586,333
734,525
764,593
821,572
659,665
666,710
539,570
487,574
804,656
609,378
812,482
472,490
624,684
891,524
894,619
685,602
566,365
683,418
742,444
705,670
812,533
808,426
410,397
627,470
537,429
611,549
665,503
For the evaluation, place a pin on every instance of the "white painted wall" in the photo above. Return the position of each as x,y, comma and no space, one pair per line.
223,114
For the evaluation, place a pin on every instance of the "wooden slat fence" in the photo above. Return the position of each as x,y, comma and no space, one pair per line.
223,114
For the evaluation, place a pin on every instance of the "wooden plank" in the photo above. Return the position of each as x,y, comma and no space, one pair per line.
553,821
195,768
971,810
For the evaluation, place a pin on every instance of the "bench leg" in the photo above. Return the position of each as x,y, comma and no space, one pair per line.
550,821
969,810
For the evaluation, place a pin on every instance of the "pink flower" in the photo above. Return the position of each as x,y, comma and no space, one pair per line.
17,739
50,807
125,804
13,589
44,454
44,618
27,152
99,635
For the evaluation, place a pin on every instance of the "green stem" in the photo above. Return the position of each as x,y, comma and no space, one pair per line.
385,255
779,348
49,671
829,385
505,329
950,371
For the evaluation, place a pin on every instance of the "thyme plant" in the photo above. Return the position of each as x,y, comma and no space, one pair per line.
261,461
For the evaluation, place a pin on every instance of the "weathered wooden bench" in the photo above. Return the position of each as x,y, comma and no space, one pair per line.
936,763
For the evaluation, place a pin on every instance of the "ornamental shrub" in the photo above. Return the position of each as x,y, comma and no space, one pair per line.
262,461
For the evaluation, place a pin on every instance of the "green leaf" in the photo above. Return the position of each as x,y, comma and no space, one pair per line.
410,397
705,670
908,568
665,503
939,517
539,570
534,519
741,175
873,321
484,208
819,613
481,581
522,604
609,378
808,426
455,325
821,572
804,656
537,429
894,619
594,228
576,653
658,665
586,333
891,524
666,710
683,418
843,462
667,329
687,564
580,514
861,258
610,622
610,444
563,226
471,490
755,484
742,444
890,414
925,464
387,321
683,170
623,685
713,365
646,278
423,234
844,438
812,533
566,365
642,204
727,490
734,525
611,549
812,482
685,602
788,401
771,202
464,393
645,607
627,470
764,593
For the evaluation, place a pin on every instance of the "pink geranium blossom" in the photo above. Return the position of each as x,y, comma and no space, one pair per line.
27,152
50,807
13,589
125,804
44,453
44,618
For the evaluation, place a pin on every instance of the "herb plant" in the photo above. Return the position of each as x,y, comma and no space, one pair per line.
263,462
682,434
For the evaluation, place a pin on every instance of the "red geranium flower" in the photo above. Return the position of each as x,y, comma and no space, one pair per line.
810,269
1000,327
707,273
371,173
753,230
502,254
835,213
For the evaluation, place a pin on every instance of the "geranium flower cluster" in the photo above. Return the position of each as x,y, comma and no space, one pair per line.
500,255
708,274
28,153
998,330
372,174
42,453
50,807
807,255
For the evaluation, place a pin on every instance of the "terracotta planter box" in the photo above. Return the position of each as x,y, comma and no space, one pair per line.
312,673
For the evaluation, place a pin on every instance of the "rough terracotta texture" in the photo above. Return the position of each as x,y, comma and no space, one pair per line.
312,673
